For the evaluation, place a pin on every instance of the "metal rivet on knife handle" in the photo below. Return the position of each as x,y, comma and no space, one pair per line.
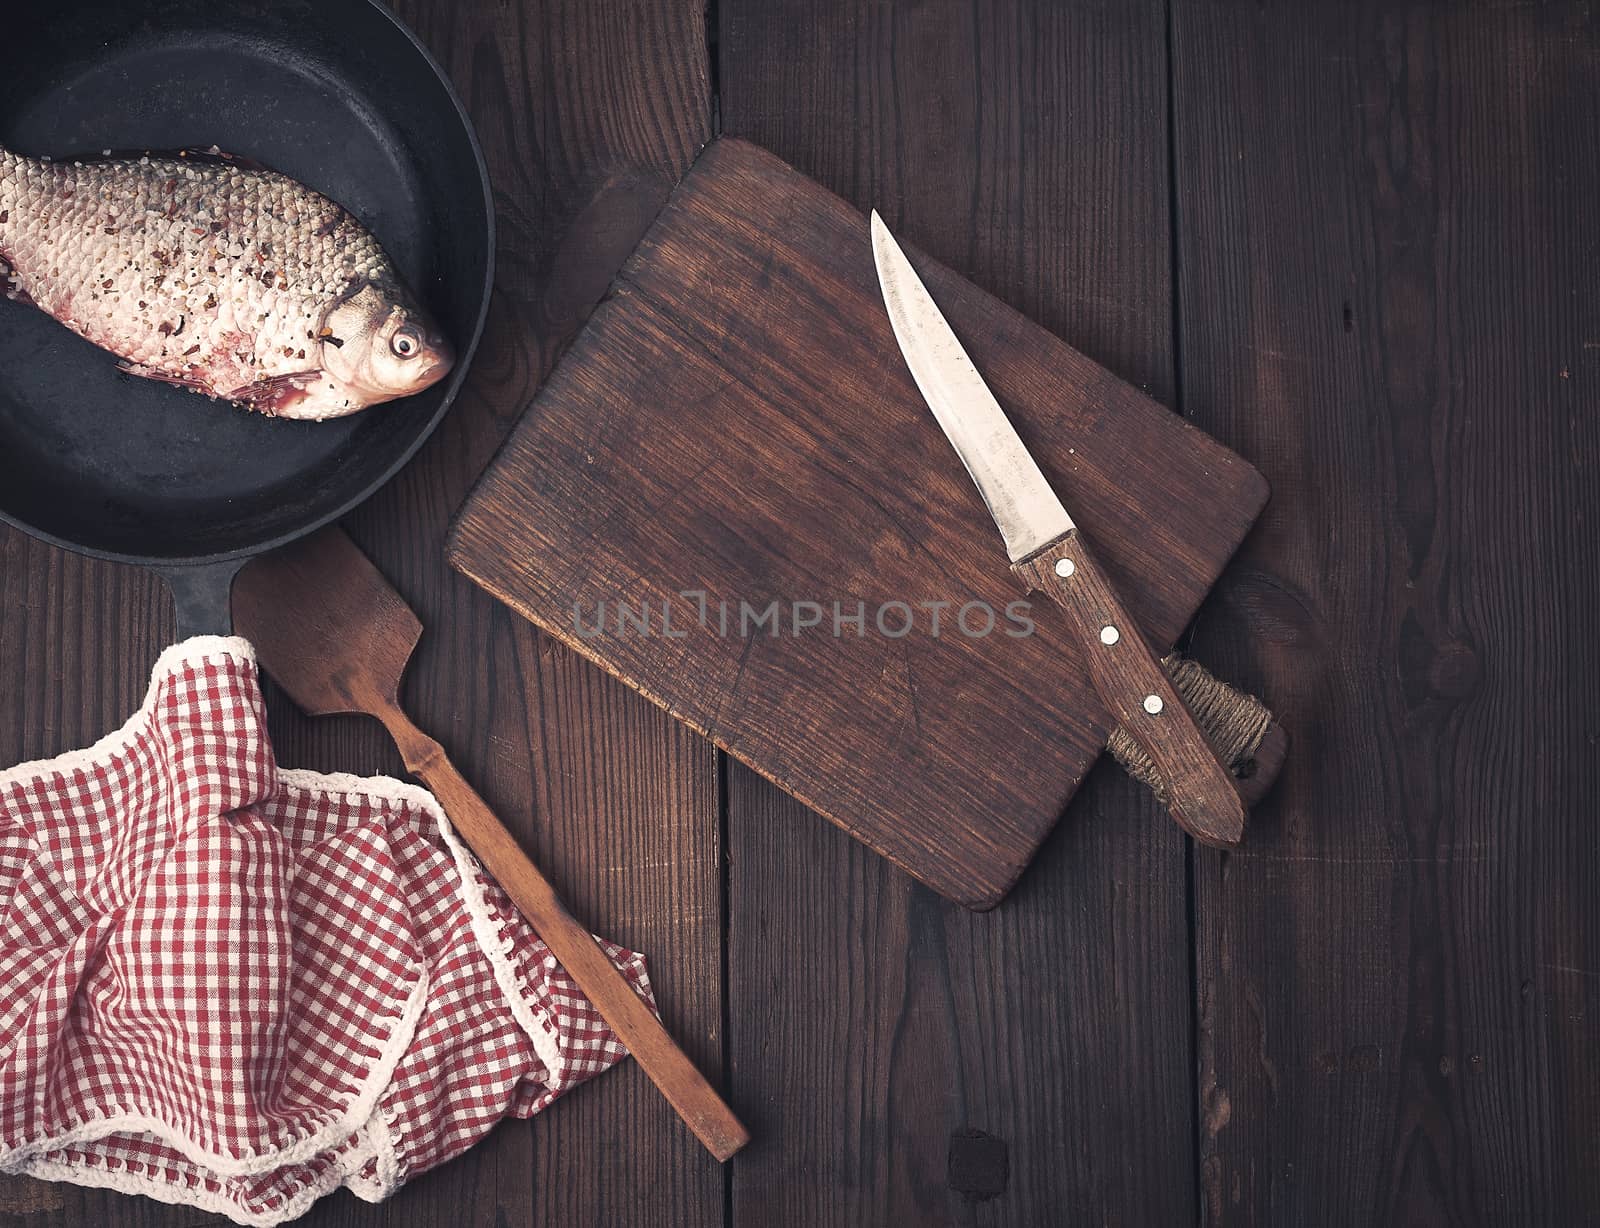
1064,567
1109,634
1153,704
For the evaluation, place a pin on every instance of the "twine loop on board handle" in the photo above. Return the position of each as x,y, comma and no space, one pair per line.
1239,727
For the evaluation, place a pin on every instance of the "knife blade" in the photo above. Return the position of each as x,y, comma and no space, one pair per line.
1049,553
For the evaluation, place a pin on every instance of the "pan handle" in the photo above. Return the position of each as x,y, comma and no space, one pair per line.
203,594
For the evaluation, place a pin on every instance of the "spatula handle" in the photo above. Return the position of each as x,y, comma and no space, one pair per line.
1137,692
685,1088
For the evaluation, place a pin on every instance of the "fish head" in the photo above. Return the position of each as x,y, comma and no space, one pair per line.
378,345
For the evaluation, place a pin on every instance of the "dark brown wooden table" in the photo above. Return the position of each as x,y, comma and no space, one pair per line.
1358,243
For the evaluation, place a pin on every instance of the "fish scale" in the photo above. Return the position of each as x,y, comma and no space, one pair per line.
195,269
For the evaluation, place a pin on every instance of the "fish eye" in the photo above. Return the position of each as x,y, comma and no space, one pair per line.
406,344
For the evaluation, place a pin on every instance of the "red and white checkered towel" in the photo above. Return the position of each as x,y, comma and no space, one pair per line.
239,987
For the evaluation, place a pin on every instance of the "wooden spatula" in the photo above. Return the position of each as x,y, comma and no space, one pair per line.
332,632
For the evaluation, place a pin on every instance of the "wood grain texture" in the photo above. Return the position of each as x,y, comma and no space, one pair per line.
737,422
1023,144
1387,220
1388,306
588,114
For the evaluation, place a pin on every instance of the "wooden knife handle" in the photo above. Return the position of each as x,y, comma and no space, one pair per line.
1137,692
646,1038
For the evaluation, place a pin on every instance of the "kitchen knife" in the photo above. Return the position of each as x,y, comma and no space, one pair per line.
1049,553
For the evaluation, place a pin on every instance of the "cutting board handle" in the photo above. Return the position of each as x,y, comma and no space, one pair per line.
1241,729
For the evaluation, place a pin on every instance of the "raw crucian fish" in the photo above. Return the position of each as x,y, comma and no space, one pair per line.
207,272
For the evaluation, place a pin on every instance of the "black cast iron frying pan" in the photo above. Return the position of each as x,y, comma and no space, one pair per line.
335,93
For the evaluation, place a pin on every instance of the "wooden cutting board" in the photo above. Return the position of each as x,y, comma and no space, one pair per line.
736,421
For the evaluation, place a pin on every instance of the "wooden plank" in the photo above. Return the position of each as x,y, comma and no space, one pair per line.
588,114
1024,145
1387,223
737,422
77,639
